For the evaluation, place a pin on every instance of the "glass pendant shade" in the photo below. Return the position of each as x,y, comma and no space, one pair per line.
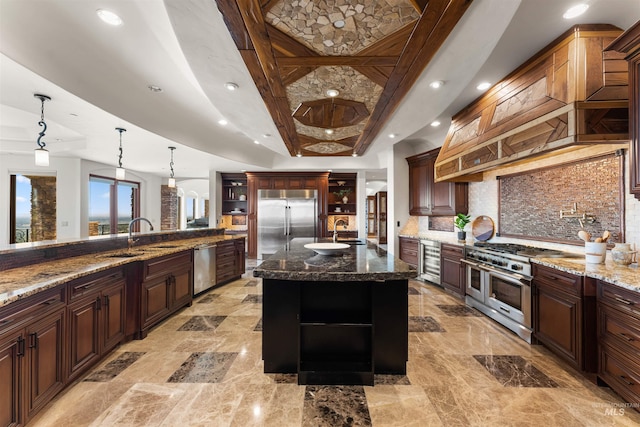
172,182
42,157
120,173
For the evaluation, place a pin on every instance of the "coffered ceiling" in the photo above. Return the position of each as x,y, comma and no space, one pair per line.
331,72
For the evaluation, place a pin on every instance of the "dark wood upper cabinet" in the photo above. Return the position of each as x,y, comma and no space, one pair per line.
427,197
629,44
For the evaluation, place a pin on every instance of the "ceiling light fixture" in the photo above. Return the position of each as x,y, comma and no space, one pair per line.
392,135
436,84
328,131
575,11
339,23
42,155
222,122
332,92
231,86
435,123
255,141
172,180
483,86
109,17
299,155
266,135
354,155
120,173
154,88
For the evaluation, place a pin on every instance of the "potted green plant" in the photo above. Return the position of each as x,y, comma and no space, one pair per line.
342,194
460,221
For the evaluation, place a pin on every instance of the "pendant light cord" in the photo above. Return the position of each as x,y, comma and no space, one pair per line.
42,123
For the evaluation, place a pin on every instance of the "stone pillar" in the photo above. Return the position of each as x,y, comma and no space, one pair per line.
43,208
168,208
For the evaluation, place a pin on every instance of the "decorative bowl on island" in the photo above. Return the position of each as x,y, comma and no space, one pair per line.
327,248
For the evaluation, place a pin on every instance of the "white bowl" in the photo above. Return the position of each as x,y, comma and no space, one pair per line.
327,248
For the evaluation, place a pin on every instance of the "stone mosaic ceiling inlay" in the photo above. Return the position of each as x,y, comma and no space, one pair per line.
327,148
364,22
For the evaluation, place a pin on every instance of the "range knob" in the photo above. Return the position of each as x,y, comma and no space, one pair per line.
516,267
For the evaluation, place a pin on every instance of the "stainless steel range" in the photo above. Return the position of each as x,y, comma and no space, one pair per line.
499,282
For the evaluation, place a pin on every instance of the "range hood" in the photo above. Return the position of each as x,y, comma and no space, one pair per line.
571,93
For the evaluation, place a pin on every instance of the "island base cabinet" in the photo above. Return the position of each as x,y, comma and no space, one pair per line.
280,307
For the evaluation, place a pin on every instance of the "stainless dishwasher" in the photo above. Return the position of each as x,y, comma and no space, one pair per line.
204,268
429,261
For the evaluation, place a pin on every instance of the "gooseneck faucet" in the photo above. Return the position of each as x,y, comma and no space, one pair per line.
335,225
130,240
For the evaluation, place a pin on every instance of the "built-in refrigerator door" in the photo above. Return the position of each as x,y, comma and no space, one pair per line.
272,233
302,215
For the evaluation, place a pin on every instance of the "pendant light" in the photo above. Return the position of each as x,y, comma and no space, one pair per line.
172,180
120,170
42,155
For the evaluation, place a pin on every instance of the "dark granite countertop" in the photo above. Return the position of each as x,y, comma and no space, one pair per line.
358,263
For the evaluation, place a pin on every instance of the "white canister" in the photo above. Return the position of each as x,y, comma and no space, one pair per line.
622,254
595,253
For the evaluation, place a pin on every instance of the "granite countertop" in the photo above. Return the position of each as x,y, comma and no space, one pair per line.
627,277
18,283
358,263
449,238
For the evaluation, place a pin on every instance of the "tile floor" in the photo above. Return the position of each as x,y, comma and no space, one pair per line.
203,367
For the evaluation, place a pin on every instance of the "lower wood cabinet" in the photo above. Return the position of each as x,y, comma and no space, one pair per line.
452,276
409,250
619,340
167,285
32,352
96,310
563,313
230,263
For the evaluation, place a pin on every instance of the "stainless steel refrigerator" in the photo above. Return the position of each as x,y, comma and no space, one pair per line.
284,215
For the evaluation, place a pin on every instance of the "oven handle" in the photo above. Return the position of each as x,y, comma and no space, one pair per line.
517,276
472,264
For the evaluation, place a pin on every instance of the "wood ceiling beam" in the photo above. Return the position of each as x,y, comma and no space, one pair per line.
284,45
347,61
435,24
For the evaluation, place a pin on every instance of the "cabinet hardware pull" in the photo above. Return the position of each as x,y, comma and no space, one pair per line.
106,300
34,340
6,321
625,336
624,301
98,303
49,301
20,346
626,381
505,309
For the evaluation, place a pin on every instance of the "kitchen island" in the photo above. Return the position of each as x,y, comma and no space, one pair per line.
335,319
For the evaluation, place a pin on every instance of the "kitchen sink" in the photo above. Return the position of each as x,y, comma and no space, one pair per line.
352,241
124,254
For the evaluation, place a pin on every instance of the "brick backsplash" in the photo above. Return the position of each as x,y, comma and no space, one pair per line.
530,203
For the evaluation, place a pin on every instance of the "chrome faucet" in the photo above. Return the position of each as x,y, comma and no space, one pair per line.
130,240
335,225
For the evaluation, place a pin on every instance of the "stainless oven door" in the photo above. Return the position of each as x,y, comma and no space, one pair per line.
509,294
475,280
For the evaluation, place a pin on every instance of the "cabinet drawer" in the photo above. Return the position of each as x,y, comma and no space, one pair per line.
621,374
166,264
93,283
619,329
37,305
225,249
452,251
563,281
620,298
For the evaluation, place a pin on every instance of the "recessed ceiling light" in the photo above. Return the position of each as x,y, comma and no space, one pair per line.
332,92
328,131
435,123
255,141
354,155
339,23
109,17
575,11
483,86
329,170
231,86
243,170
223,122
154,88
392,135
266,135
436,84
299,155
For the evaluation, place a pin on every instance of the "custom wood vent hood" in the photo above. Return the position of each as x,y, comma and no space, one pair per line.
570,93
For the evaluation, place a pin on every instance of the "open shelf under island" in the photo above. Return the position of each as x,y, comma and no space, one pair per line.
334,319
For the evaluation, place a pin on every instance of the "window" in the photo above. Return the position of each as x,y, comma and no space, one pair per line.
32,208
112,205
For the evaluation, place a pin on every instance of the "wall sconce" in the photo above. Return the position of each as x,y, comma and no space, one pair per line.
42,155
120,170
172,180
573,213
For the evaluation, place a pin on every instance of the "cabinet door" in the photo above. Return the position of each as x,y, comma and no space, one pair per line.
420,177
156,302
382,217
85,333
45,361
12,347
557,324
450,275
182,288
240,261
113,314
